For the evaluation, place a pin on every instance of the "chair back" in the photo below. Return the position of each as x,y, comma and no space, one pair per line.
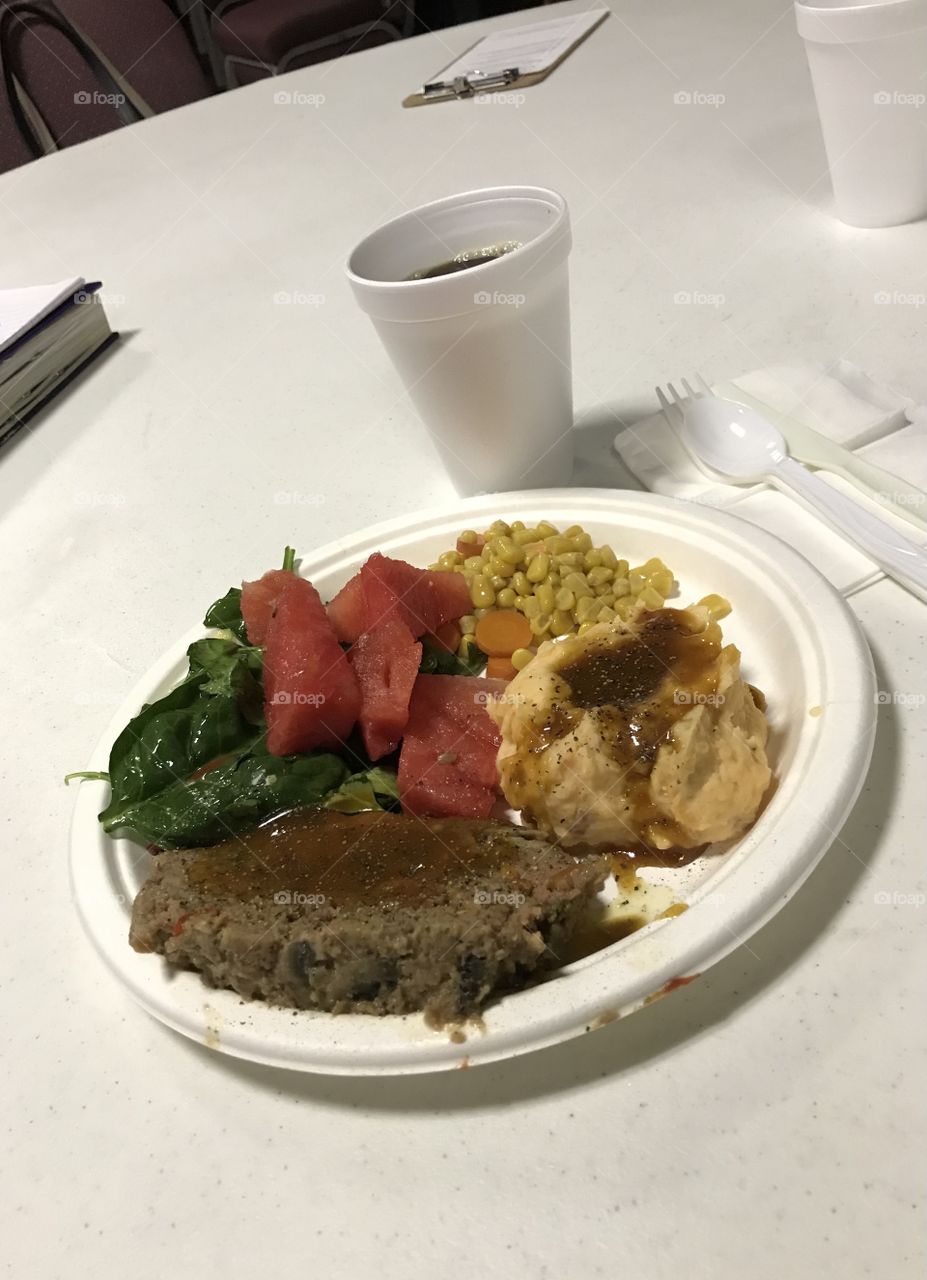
74,70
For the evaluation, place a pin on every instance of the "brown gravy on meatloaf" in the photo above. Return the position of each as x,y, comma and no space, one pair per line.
360,859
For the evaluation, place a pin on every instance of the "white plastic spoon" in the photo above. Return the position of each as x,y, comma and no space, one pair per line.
741,444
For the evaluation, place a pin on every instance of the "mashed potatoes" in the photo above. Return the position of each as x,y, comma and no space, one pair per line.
637,733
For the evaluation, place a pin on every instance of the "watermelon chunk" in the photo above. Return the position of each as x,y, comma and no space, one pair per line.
311,695
258,601
447,767
385,661
421,598
347,610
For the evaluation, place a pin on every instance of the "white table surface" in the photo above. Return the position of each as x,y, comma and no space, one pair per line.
762,1122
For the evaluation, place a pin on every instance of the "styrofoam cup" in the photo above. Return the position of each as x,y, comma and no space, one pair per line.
867,64
484,353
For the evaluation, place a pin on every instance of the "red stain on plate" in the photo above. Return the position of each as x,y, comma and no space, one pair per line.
673,985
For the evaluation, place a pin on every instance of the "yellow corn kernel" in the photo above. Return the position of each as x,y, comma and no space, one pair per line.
557,544
651,599
564,600
506,598
546,529
458,568
497,527
466,647
486,552
662,581
468,535
520,658
561,624
539,625
553,579
517,524
474,564
521,537
586,608
573,530
608,557
653,565
467,624
577,582
449,559
481,593
637,580
570,560
717,606
497,582
621,587
544,595
598,577
592,560
529,606
434,568
500,568
582,542
622,568
505,549
626,606
538,568
521,584
604,589
605,614
607,597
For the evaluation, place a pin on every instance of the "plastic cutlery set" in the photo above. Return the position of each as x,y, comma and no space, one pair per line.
733,441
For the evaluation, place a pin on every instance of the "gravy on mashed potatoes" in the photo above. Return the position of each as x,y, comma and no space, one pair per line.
637,733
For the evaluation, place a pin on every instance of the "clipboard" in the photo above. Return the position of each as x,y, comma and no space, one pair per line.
514,58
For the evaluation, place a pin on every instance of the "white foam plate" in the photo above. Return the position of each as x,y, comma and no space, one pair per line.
800,644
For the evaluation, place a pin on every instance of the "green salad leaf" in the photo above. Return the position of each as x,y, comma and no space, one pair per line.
374,788
225,615
235,794
216,709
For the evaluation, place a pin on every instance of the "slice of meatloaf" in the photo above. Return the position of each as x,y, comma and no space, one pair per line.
373,913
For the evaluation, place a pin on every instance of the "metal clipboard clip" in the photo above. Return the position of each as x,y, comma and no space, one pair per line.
467,86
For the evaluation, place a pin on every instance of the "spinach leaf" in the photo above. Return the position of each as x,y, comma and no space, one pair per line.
231,668
225,615
216,709
375,788
440,662
237,793
149,752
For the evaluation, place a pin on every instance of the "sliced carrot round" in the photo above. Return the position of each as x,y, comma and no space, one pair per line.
501,631
500,669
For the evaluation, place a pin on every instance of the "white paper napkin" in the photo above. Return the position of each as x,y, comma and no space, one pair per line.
841,402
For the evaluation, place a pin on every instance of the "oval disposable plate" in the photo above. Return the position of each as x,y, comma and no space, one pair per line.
800,644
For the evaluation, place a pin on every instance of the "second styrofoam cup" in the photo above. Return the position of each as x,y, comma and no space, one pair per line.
484,353
867,65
